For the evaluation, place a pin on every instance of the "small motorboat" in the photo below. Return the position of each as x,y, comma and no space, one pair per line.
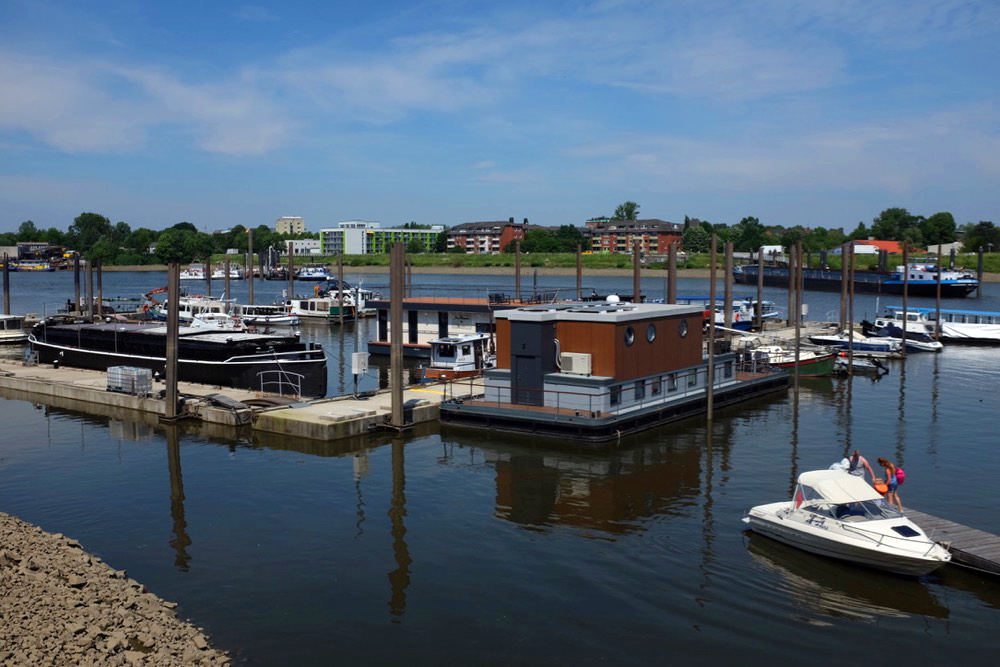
811,363
858,343
860,364
833,513
217,322
887,329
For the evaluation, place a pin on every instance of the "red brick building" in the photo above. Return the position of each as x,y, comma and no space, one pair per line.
618,236
487,238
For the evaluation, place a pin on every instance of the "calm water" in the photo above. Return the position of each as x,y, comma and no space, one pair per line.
455,545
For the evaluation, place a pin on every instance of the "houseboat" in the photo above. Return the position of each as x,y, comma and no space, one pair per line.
455,357
921,279
594,372
190,306
235,273
265,362
12,329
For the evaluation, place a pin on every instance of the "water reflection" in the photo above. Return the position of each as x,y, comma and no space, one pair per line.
841,590
538,488
399,579
181,540
901,417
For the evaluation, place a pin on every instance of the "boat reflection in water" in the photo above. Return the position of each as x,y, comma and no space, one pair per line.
841,590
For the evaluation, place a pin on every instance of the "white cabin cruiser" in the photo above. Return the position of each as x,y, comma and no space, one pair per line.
836,514
276,315
461,356
917,338
217,322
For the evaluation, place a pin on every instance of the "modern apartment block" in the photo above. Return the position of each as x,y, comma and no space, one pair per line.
486,238
618,236
364,237
290,224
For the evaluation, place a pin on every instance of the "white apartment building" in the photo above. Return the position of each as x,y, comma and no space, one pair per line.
290,224
304,247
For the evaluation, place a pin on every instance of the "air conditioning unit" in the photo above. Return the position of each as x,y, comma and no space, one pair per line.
577,363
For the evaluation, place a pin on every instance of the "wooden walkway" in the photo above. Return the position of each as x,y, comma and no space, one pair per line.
969,547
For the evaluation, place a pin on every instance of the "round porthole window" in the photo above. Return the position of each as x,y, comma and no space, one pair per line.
651,333
629,336
682,328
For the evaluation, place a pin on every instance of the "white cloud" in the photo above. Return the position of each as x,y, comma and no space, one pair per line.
254,14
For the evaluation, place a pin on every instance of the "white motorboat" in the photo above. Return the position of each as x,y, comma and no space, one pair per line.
314,272
12,329
265,314
957,326
235,273
193,272
833,513
858,343
917,339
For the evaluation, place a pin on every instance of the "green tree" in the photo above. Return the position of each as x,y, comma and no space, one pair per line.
696,239
414,247
892,223
983,235
184,227
199,245
54,236
793,235
87,229
120,232
139,240
172,247
105,250
860,232
747,235
441,241
626,211
27,231
939,228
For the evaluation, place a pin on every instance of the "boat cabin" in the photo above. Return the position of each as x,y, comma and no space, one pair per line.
12,329
460,356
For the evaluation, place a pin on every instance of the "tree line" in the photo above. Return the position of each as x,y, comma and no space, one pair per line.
892,224
96,238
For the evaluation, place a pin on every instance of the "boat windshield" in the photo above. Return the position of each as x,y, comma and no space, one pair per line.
444,351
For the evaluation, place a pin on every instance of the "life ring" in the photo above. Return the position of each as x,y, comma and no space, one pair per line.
145,307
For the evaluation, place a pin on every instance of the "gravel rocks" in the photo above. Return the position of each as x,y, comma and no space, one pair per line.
60,606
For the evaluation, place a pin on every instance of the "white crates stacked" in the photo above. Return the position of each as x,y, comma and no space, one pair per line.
130,380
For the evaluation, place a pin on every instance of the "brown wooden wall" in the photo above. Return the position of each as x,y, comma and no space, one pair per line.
503,343
605,342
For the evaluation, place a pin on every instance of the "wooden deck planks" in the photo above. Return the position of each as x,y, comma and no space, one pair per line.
969,546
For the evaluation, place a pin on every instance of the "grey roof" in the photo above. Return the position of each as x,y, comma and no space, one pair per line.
597,312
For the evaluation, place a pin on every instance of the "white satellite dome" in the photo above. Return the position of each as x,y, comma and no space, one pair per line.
612,298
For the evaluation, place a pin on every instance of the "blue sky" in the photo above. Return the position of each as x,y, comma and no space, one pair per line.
219,113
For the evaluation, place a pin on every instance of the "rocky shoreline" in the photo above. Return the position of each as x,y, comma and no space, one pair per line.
63,606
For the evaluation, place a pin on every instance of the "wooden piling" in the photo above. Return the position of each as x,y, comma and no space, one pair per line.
850,314
672,273
579,272
843,284
791,285
397,258
99,267
249,276
760,289
226,279
906,289
636,275
340,288
6,284
208,275
979,273
76,282
517,269
710,383
173,328
90,289
291,273
937,298
798,312
727,289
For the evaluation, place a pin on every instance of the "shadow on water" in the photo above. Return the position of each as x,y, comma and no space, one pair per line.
841,590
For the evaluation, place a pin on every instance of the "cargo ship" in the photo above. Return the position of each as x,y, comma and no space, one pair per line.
922,278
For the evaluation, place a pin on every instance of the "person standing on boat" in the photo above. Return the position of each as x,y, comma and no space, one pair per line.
858,465
892,495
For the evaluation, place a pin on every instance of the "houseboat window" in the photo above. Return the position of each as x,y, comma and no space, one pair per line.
655,386
616,394
651,332
672,382
629,336
692,378
728,370
466,349
640,390
444,351
682,328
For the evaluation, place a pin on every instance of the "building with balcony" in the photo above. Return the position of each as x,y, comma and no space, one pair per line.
290,224
365,237
487,238
618,236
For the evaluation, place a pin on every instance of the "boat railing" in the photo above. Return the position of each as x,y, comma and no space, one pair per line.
881,538
280,382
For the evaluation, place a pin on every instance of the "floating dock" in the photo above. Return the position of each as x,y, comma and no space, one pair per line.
324,419
969,547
